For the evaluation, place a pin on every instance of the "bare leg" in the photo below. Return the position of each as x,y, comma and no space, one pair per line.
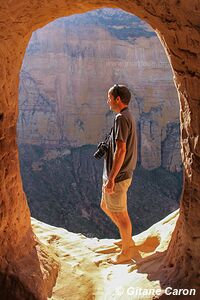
121,219
129,225
125,229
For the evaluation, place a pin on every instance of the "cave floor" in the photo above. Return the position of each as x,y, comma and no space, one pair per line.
85,271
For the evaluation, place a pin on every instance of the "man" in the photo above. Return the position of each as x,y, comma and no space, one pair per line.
119,164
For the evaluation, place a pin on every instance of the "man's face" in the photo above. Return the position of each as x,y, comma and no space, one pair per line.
112,102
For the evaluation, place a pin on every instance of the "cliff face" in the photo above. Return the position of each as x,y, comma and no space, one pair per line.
64,189
66,74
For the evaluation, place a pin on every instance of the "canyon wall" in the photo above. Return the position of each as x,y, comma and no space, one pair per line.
69,66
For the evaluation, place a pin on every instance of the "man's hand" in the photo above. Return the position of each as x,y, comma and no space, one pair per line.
109,186
117,163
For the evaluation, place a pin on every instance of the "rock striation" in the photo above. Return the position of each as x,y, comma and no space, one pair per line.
66,73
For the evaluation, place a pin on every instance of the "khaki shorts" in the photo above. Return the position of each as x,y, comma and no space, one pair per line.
117,201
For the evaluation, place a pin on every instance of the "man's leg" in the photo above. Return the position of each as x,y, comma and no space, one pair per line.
125,229
123,223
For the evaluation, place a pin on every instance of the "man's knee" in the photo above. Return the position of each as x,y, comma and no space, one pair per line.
103,205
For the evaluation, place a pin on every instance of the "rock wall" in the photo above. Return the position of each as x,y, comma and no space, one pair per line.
177,25
66,73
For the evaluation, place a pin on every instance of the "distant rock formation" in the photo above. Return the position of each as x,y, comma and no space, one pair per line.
66,74
63,189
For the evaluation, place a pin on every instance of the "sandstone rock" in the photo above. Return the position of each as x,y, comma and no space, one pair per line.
31,276
85,261
150,132
177,25
171,159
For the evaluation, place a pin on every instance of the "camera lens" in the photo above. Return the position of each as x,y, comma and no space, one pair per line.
102,149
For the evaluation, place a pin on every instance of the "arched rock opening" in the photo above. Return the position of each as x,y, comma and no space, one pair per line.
177,26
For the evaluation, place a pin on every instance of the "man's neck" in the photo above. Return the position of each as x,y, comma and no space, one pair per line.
122,107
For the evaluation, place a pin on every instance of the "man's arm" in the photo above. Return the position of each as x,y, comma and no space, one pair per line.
118,160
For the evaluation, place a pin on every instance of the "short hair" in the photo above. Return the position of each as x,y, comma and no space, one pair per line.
122,91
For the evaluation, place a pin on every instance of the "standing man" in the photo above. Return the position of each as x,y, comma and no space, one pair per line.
119,164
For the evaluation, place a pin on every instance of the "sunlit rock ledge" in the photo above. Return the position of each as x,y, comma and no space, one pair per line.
85,272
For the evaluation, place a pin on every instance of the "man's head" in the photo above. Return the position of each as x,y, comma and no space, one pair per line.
119,97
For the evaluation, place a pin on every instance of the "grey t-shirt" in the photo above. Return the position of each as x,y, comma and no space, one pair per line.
124,129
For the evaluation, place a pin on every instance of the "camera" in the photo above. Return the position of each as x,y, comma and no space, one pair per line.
102,150
103,146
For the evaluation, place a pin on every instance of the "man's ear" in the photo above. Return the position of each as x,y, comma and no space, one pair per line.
117,99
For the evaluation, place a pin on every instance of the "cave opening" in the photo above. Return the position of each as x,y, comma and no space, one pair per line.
177,26
63,83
